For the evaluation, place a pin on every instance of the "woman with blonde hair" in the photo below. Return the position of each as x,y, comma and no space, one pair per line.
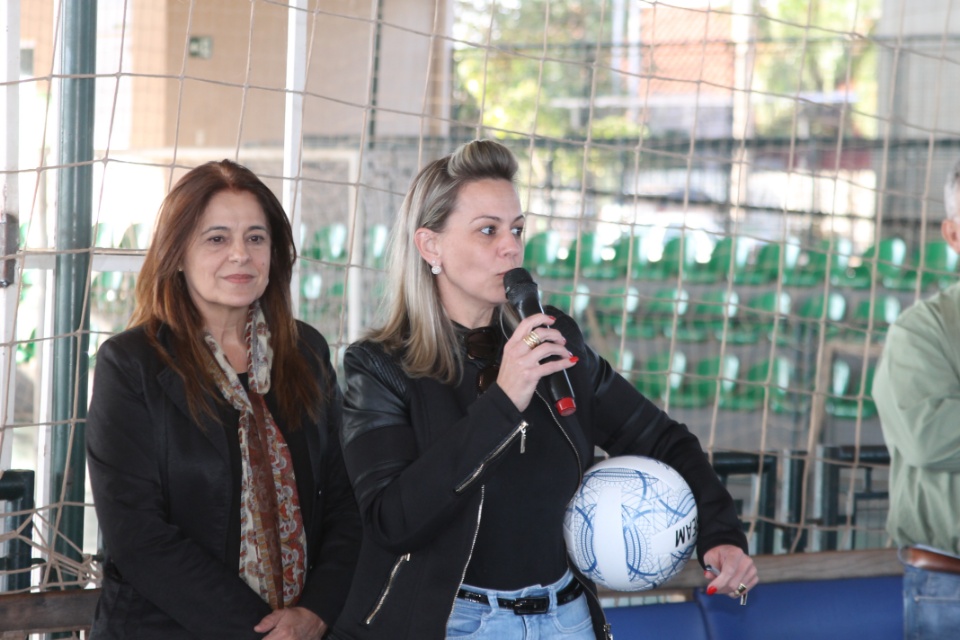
461,467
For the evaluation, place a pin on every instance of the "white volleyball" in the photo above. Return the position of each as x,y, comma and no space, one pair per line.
632,524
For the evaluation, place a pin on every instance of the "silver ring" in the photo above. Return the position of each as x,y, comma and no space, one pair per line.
742,589
532,340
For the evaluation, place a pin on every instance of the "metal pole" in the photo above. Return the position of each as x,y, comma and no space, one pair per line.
9,217
293,132
71,317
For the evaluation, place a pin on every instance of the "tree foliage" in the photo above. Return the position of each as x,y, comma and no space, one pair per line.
530,66
817,50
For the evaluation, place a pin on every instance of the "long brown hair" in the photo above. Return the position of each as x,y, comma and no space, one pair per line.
416,326
162,297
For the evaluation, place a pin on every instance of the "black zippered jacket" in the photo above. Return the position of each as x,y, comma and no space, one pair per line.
418,463
167,495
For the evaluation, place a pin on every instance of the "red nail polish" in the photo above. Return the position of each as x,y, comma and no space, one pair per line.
711,590
574,359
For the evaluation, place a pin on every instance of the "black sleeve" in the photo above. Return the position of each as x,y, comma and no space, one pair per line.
331,572
405,492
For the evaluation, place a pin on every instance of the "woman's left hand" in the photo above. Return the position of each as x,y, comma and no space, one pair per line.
734,568
295,623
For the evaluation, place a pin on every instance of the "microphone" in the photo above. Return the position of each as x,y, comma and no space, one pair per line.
524,297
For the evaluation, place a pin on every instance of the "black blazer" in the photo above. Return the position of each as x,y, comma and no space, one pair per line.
166,492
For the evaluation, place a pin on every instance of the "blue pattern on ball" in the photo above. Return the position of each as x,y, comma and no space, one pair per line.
653,499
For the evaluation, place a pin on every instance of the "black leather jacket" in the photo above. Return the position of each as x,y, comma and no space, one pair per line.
418,464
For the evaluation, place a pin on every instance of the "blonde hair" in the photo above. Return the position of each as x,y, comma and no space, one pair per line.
416,327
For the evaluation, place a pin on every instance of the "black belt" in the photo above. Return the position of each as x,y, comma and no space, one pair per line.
525,606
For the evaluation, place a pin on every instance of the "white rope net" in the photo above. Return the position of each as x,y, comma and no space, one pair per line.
733,198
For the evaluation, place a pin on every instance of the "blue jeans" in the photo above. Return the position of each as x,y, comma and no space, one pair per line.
931,604
474,621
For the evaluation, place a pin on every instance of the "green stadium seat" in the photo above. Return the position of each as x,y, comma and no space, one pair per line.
540,253
661,373
626,260
773,376
136,236
678,253
767,268
713,376
311,286
937,266
333,300
311,292
759,317
883,312
617,308
818,312
329,244
708,317
844,400
827,261
889,255
729,256
623,361
657,316
594,264
103,233
375,246
569,300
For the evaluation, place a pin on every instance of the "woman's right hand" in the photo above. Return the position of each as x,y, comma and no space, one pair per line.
293,623
521,366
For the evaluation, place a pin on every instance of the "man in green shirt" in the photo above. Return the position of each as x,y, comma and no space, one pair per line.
917,391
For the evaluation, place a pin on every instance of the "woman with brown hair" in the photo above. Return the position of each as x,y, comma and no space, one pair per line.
212,434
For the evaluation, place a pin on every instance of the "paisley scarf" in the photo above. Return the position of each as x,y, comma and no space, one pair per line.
273,541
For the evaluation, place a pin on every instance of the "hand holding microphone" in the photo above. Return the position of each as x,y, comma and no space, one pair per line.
524,297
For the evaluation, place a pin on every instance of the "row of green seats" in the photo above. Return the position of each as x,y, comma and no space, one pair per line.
330,243
718,380
719,314
934,264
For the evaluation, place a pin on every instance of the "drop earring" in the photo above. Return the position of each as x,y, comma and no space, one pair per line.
436,269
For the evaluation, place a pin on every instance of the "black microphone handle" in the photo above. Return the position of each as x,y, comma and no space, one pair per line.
526,300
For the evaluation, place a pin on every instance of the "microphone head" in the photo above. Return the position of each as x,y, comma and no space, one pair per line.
518,285
516,276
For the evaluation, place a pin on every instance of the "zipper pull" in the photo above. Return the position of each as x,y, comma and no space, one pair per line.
523,438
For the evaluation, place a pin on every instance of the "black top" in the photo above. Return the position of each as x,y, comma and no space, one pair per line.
520,539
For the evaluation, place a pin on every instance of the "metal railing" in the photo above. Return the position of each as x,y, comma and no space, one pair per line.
16,489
